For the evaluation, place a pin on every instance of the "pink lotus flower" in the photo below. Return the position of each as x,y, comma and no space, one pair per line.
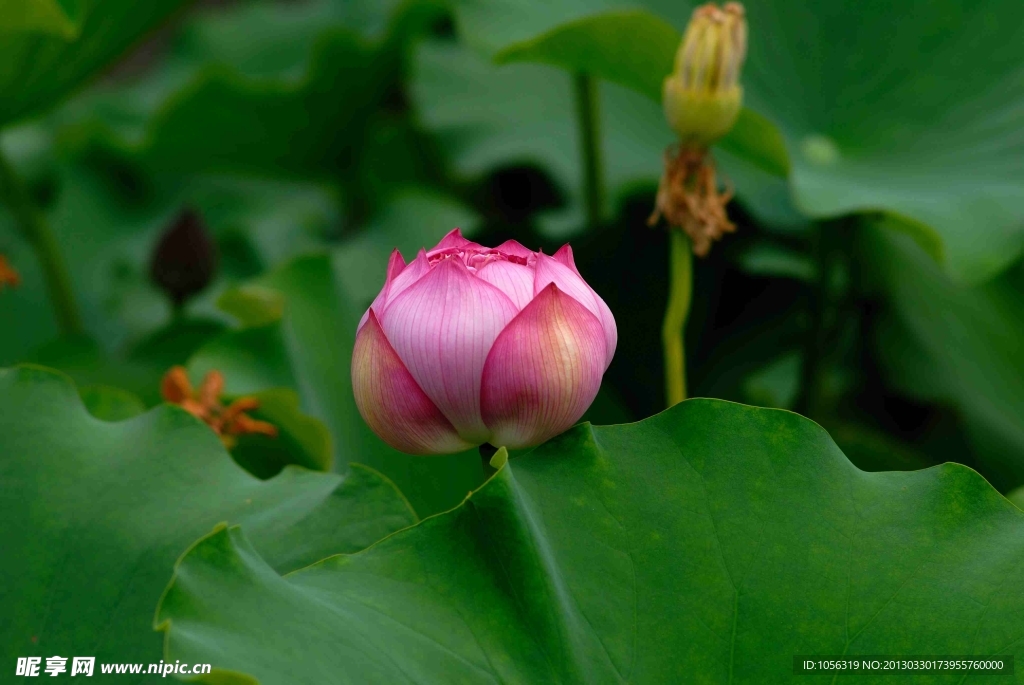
470,344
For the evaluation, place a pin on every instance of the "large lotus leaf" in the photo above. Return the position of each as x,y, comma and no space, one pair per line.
111,404
487,116
267,89
320,298
596,45
257,40
51,47
95,514
912,112
230,123
959,344
636,49
710,543
268,39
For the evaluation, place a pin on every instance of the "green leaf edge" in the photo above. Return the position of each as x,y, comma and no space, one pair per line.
217,676
71,389
220,676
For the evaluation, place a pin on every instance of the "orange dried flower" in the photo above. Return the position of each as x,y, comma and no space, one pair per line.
204,403
689,199
8,276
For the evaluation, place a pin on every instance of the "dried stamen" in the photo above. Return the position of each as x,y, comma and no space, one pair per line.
688,198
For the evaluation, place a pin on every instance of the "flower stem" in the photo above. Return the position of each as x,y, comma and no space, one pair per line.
37,233
679,296
588,120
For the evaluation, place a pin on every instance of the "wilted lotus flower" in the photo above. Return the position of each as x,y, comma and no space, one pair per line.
469,344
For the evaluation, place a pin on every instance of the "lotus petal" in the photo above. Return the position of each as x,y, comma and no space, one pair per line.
391,402
544,370
442,328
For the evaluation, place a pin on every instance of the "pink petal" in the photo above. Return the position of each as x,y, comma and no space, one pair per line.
416,270
561,270
564,255
391,402
442,328
452,240
515,249
395,266
515,280
544,370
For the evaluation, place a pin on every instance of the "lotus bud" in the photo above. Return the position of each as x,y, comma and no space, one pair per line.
467,345
184,261
702,96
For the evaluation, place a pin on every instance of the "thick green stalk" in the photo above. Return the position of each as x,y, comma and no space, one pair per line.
37,233
588,118
680,294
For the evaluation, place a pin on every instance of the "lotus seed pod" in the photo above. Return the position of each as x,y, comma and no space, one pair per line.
702,96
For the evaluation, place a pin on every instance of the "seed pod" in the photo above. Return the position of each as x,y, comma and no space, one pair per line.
702,96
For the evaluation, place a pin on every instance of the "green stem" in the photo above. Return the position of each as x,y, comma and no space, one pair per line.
680,295
588,119
37,233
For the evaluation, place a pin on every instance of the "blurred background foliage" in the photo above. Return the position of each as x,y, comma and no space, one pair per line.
875,283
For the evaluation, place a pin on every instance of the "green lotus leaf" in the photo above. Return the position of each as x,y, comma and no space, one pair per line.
488,116
597,45
1017,497
927,133
52,47
111,404
268,90
636,49
95,514
710,543
958,344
